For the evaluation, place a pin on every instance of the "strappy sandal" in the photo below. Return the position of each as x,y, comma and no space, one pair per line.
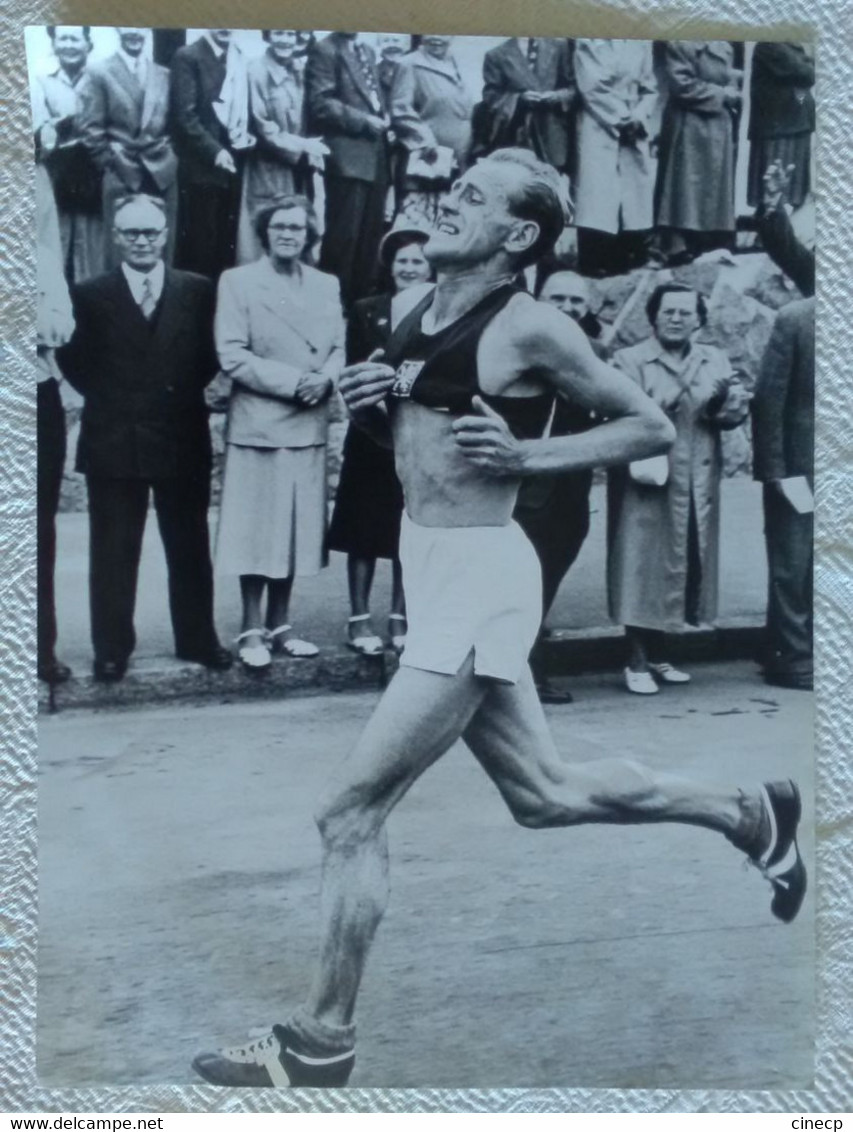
368,644
290,646
254,658
398,640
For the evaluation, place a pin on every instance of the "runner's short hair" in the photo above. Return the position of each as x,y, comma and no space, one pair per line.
542,198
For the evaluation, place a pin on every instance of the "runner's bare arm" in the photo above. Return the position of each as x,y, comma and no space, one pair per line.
544,339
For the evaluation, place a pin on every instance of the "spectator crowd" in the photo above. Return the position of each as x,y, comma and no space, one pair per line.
202,211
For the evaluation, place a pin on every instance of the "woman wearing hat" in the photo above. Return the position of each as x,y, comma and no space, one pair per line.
369,501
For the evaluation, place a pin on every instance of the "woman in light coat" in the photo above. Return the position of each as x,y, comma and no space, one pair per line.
664,514
430,112
284,160
695,195
280,338
614,188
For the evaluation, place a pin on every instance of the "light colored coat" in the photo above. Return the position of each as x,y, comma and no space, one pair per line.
267,338
615,183
648,526
430,104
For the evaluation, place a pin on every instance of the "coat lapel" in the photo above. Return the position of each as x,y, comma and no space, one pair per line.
171,309
154,95
126,310
347,54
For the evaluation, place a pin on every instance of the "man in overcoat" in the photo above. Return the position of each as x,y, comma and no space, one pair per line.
344,106
141,355
209,122
124,126
529,89
783,461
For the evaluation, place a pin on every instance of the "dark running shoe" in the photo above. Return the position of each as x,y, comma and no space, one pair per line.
277,1061
780,861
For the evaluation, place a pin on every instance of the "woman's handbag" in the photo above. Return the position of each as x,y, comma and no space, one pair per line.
651,472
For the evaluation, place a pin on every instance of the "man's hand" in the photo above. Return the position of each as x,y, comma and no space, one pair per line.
376,126
531,97
366,385
312,389
315,147
224,160
485,440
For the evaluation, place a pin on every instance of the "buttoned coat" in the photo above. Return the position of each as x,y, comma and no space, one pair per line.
144,415
430,104
547,130
648,526
614,187
267,339
781,102
198,135
696,180
338,104
124,124
783,408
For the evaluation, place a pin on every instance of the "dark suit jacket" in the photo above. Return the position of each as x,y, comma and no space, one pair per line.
124,126
783,407
198,135
781,100
338,104
506,75
143,384
781,244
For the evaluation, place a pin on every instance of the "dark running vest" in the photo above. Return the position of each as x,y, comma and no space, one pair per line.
439,370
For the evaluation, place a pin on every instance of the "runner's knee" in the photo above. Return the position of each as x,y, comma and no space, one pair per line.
345,819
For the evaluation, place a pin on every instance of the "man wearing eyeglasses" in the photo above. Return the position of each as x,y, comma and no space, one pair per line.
141,355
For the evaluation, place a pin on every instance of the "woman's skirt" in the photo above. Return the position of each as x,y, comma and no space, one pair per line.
369,501
272,518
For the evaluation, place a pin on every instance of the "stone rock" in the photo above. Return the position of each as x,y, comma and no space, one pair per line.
740,325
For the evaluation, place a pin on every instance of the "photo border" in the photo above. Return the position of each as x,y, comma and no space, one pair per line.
732,19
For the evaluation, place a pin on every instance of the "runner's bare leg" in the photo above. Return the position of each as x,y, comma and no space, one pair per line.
418,718
509,736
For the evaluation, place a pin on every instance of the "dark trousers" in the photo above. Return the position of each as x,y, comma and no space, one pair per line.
117,513
50,432
207,226
790,560
554,514
355,222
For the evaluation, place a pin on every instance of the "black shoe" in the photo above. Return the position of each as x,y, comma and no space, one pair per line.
780,861
549,693
217,658
277,1061
799,681
109,671
53,671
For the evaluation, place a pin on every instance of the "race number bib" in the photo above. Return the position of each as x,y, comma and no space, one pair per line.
406,377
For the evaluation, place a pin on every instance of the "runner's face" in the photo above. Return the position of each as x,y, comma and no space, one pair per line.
410,266
567,292
474,219
132,40
678,318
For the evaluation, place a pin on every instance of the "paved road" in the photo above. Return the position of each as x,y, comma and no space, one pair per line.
320,607
178,902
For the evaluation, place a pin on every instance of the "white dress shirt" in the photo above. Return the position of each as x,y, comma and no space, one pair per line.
136,281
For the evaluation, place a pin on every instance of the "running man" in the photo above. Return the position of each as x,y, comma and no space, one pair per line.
463,392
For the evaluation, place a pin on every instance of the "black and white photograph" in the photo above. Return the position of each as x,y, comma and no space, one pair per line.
425,502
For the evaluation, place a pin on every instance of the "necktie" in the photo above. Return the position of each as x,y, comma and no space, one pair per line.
369,76
147,303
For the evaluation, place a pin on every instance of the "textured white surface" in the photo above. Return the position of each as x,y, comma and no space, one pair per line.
832,21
